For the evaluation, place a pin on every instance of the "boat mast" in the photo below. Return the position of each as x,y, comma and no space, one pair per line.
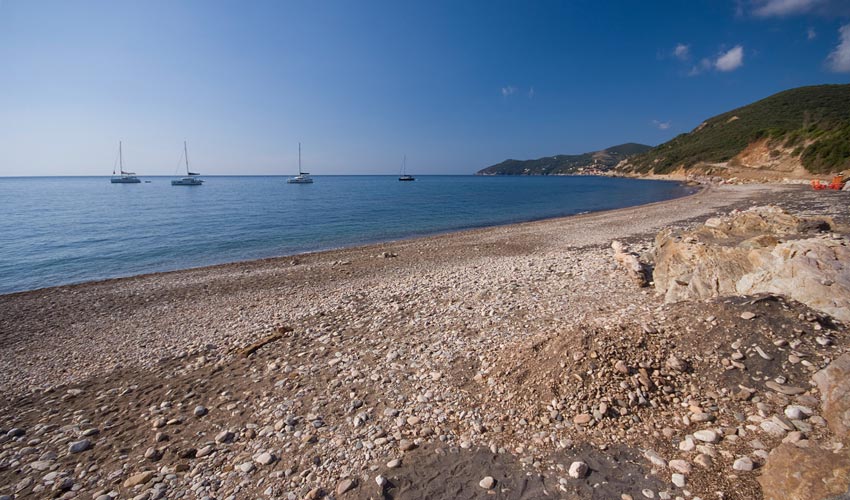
186,155
299,158
120,160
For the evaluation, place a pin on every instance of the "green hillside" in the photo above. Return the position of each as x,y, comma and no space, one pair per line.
812,123
566,164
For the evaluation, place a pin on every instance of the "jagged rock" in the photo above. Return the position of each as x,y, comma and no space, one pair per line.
630,263
761,250
793,473
834,385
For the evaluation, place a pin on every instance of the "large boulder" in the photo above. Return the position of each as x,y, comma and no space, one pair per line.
813,473
834,385
761,250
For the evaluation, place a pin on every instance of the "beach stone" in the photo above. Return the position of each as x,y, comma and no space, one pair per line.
747,315
703,460
265,458
224,437
707,436
153,454
394,463
344,486
701,417
680,466
784,389
200,411
772,428
140,478
380,480
578,470
621,367
246,467
582,418
204,451
79,446
675,364
487,483
40,465
655,458
743,464
16,432
678,480
406,445
794,412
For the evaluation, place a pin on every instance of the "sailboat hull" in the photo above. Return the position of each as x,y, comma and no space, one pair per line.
407,178
187,181
125,180
299,180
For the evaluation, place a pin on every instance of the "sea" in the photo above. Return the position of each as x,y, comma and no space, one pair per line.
63,230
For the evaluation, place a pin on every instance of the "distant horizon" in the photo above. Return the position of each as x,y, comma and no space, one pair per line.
454,86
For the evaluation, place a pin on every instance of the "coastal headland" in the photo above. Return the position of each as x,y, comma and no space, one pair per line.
510,362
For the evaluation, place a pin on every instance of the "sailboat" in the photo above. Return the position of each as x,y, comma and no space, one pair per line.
124,177
191,178
404,175
302,177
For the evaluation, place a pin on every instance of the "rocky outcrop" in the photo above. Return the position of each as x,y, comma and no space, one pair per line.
761,250
834,385
794,473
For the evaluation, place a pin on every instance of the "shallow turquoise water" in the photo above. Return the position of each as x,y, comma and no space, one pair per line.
60,230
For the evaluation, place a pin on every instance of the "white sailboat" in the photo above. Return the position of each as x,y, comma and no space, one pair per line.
302,177
123,177
404,175
191,178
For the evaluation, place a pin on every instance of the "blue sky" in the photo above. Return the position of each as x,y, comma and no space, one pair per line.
455,85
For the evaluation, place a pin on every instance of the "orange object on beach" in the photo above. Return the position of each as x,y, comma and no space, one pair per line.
836,184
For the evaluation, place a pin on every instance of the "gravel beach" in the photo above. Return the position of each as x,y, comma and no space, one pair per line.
462,365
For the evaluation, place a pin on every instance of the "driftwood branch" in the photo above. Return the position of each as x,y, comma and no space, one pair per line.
279,333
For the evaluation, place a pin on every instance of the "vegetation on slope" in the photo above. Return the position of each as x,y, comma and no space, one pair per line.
812,122
566,164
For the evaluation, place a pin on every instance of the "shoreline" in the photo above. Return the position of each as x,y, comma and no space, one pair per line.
697,190
688,191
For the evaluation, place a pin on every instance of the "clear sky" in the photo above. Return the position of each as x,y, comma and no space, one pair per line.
456,85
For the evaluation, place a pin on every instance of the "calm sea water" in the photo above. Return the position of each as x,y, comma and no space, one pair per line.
62,230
